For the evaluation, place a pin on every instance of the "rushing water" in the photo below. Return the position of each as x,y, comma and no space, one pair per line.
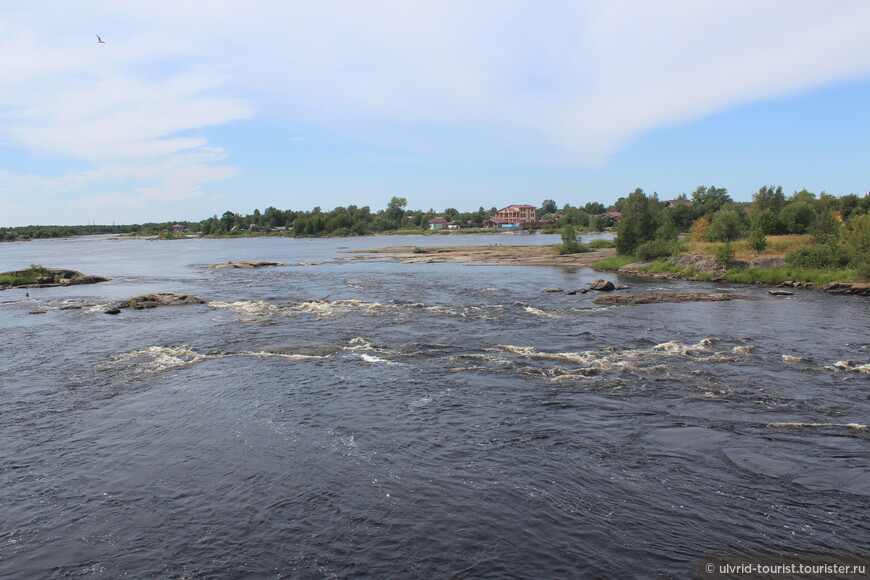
390,420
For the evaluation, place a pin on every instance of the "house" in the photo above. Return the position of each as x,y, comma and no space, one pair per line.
438,223
677,202
178,229
512,216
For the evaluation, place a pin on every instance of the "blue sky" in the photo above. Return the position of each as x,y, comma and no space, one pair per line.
192,109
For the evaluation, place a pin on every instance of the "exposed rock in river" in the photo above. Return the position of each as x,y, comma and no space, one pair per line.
602,285
247,264
154,300
666,297
860,288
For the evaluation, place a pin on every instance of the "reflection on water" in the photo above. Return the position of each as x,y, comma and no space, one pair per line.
397,420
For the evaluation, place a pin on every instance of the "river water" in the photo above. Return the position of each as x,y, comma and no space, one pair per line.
388,420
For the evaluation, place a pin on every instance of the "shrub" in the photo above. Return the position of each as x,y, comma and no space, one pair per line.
656,249
700,227
821,257
757,241
725,254
598,244
570,242
857,242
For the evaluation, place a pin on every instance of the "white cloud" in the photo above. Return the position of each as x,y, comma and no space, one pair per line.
567,82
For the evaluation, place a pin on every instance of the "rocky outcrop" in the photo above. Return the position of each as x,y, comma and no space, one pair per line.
577,291
554,289
154,300
665,297
53,277
248,264
602,285
859,288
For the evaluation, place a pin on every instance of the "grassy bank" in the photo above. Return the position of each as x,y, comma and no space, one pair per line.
788,273
613,263
28,276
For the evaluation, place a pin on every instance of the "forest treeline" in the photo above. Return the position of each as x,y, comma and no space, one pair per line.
709,212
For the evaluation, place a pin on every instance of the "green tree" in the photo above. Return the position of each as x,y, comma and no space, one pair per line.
765,221
711,199
726,226
571,241
637,224
797,217
768,197
667,229
825,228
395,212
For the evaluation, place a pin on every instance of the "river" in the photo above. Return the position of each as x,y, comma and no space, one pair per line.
387,420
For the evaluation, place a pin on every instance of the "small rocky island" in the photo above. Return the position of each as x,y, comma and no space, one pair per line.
41,277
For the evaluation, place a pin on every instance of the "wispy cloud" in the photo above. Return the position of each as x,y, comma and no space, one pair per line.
558,82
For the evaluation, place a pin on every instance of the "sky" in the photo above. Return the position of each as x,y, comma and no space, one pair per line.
190,109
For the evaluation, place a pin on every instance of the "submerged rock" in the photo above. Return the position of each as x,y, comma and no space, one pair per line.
577,291
666,297
780,293
554,289
248,264
154,300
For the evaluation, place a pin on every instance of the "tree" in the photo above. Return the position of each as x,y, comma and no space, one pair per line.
797,217
769,198
395,211
765,221
668,229
228,220
637,224
711,199
825,228
547,206
571,241
725,227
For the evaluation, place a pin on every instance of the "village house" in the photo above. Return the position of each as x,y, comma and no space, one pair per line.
512,216
438,223
677,202
178,229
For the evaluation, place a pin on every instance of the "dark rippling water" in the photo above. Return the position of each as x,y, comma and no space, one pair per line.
389,420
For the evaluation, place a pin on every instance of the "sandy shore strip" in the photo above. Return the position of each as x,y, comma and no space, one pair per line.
503,255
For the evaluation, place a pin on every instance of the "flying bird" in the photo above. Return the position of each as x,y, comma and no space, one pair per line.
100,40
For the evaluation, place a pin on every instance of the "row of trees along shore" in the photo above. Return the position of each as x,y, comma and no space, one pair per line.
837,228
649,227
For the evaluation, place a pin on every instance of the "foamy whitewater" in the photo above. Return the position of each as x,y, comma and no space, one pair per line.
387,420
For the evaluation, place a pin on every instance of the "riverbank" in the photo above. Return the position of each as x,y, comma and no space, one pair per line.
767,270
